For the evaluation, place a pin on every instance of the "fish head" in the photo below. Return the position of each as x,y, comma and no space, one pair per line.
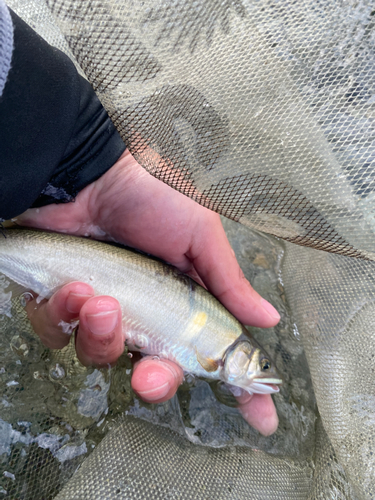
248,366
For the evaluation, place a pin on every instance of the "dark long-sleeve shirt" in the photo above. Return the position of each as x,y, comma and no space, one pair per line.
55,136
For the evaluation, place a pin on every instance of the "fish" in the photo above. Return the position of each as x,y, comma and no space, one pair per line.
165,312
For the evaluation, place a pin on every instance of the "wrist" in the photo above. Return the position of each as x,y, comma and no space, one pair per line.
121,187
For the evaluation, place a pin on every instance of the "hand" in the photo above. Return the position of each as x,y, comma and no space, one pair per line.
130,206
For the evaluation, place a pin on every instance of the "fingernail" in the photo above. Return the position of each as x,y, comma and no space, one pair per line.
164,364
103,322
270,309
75,301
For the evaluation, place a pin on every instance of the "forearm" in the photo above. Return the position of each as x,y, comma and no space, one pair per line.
55,136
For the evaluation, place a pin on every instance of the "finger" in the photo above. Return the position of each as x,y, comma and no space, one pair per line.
100,340
216,263
259,411
156,380
51,319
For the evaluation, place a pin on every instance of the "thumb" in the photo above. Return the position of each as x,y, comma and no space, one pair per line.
216,264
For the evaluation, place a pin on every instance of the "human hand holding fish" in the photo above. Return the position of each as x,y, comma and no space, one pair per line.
130,206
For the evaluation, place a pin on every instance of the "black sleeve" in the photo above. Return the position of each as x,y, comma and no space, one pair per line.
55,136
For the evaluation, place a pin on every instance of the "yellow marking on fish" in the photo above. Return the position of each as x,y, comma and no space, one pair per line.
194,327
200,319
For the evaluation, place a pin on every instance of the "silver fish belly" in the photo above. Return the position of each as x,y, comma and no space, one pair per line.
165,313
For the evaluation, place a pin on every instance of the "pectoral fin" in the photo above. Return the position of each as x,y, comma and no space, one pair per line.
208,364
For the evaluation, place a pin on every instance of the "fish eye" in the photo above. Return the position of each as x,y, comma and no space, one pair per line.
265,364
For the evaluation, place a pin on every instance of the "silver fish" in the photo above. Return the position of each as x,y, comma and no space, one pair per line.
165,313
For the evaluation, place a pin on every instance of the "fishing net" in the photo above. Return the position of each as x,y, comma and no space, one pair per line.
264,112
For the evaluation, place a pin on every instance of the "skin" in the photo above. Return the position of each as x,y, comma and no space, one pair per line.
130,206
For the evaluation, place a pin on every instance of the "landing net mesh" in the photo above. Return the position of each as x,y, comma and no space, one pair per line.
264,112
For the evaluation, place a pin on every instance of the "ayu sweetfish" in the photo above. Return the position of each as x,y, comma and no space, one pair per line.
165,313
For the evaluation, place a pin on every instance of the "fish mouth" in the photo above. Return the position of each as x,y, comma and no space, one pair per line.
270,380
265,385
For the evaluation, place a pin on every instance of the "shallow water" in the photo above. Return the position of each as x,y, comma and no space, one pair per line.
54,411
